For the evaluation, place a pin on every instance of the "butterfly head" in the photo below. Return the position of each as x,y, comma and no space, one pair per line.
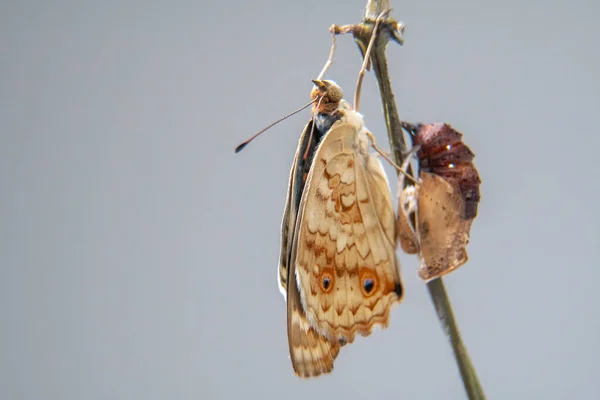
327,95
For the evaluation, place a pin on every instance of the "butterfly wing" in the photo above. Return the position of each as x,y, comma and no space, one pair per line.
442,228
346,266
311,353
297,181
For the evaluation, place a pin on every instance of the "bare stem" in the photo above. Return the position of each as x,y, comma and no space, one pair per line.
443,308
391,29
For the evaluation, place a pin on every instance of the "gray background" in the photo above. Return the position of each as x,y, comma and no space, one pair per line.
138,254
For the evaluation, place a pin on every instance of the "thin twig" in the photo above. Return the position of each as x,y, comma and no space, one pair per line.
391,29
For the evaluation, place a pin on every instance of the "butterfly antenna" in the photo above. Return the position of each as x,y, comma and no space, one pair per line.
367,56
241,146
401,169
330,59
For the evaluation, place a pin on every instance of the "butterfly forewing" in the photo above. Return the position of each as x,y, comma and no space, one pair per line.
347,270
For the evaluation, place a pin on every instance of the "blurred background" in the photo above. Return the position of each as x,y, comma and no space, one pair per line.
138,253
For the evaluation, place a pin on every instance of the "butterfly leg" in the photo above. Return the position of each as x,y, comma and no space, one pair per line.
366,59
401,170
330,59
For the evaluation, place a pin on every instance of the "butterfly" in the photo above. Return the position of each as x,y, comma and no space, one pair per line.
435,216
338,269
338,266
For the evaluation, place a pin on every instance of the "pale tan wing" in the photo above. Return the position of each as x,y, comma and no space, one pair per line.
312,354
347,268
442,230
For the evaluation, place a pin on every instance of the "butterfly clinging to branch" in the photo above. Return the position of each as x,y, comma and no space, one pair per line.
338,268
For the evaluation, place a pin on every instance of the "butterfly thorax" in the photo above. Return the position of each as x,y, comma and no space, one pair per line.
324,121
327,112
